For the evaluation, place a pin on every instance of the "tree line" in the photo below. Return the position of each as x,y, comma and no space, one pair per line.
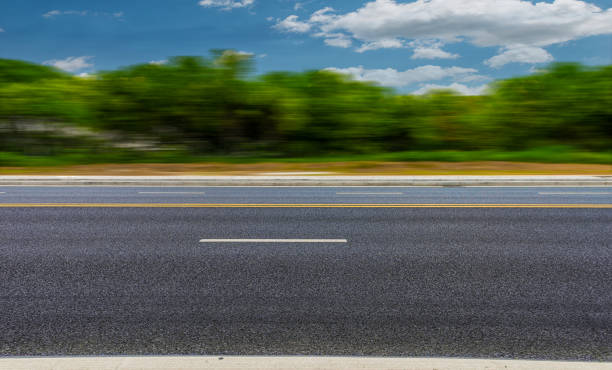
216,106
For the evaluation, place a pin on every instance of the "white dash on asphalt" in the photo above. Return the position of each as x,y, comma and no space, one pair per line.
273,241
172,192
575,193
353,193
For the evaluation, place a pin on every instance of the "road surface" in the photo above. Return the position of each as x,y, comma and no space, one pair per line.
471,272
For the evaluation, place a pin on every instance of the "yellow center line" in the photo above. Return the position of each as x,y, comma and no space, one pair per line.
303,205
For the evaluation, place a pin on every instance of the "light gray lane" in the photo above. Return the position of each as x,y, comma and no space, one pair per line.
428,195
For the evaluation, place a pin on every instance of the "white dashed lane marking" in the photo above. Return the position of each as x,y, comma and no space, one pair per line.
576,193
172,192
353,193
273,241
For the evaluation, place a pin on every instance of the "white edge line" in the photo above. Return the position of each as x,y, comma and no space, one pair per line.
273,241
349,193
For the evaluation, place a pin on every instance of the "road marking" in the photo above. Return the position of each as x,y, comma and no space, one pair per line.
273,241
171,192
304,205
369,193
575,193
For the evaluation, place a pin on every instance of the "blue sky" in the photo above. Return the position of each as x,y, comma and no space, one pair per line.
409,45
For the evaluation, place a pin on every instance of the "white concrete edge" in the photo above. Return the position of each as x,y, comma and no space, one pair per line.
522,180
287,362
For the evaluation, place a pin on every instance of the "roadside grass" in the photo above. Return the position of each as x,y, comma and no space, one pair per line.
557,154
540,155
533,162
543,155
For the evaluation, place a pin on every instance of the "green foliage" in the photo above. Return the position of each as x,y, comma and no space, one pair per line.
196,107
15,71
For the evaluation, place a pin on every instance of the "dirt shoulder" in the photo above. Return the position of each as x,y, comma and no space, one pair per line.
332,168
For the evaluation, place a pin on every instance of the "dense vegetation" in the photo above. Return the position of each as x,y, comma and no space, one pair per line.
193,108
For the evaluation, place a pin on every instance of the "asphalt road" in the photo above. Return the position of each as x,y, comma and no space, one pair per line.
474,282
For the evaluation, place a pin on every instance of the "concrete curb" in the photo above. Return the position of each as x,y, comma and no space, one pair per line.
295,363
558,180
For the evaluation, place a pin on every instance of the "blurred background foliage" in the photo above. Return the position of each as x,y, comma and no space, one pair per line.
192,109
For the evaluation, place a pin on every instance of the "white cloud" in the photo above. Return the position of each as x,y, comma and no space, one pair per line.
432,52
339,42
460,88
226,4
338,39
534,69
71,64
520,54
472,78
1,30
242,53
239,53
52,13
291,24
323,16
483,23
380,44
81,13
394,78
159,62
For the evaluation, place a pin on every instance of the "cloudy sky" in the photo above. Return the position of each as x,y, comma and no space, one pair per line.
410,45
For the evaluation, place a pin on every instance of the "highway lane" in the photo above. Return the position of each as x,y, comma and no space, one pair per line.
476,282
300,195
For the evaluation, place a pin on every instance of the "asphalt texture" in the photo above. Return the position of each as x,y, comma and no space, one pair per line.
469,282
